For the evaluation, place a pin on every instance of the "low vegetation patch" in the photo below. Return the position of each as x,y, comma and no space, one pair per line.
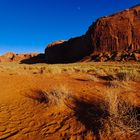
56,96
123,118
111,117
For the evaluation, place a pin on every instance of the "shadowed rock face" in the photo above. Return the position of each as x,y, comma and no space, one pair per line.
69,51
119,32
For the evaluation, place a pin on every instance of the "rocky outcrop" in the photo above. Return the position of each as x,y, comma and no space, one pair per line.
69,51
56,43
113,56
116,33
12,57
137,56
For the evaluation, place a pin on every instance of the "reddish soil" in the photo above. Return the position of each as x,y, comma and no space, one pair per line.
24,118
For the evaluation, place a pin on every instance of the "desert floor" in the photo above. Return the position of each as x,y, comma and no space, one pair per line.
68,102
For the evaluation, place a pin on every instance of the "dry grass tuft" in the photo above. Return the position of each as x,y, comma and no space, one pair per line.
38,96
128,76
92,78
113,117
56,96
123,117
114,84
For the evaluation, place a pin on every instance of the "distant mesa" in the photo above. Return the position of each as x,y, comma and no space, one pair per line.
115,37
22,58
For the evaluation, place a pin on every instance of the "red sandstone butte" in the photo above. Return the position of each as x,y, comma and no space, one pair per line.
119,32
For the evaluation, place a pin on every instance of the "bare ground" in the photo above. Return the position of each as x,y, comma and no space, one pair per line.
73,117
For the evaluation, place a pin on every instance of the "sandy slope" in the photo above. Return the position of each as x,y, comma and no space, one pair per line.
23,118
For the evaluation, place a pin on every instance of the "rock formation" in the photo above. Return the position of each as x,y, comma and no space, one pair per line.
68,51
119,32
10,57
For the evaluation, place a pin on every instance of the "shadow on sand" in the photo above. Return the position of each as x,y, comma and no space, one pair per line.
40,58
90,114
93,115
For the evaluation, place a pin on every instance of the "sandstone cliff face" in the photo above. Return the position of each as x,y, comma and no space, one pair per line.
118,32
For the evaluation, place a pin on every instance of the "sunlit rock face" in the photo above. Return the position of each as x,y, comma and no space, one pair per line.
119,32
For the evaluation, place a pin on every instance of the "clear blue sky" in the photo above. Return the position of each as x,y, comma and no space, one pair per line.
29,25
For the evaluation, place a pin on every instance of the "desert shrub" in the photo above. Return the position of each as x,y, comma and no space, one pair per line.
123,117
128,75
38,95
92,78
113,84
56,96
